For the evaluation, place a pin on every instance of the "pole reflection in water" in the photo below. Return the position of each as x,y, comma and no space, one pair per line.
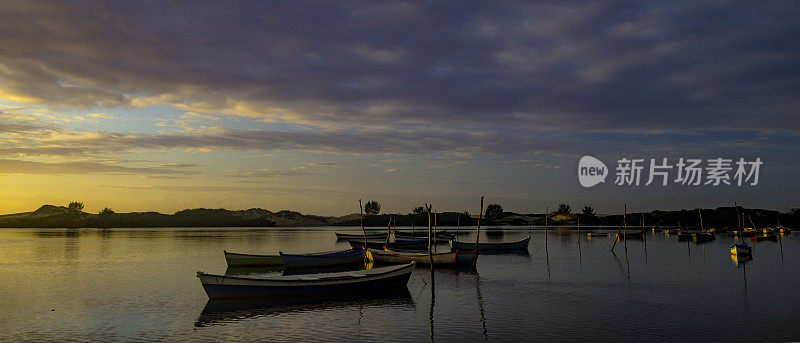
741,262
479,296
433,301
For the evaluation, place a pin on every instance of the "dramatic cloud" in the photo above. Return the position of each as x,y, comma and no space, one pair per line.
593,66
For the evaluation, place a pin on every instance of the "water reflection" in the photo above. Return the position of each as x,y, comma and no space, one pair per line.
226,311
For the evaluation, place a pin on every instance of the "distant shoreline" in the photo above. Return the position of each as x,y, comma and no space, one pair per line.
50,216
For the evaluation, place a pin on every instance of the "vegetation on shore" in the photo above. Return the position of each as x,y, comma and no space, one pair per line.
72,216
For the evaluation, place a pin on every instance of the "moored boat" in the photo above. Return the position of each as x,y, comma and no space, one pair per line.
349,236
444,258
597,234
331,258
518,245
251,260
741,249
702,237
219,286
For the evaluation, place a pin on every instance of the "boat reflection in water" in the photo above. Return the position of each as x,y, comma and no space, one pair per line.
741,259
226,311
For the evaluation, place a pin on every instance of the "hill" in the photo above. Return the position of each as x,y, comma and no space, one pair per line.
50,216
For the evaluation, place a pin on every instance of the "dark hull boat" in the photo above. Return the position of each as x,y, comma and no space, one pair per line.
518,245
219,286
741,249
703,237
685,236
322,259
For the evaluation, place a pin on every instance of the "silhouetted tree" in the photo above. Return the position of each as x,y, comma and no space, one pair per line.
106,211
589,211
418,209
75,206
494,212
563,209
372,207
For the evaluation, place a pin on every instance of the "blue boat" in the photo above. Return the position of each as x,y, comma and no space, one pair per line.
220,286
322,259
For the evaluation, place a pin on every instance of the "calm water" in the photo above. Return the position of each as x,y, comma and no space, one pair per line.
140,284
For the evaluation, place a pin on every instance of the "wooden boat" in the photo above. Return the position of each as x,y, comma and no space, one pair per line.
741,249
630,235
415,244
354,236
444,258
251,260
597,234
394,277
518,245
331,258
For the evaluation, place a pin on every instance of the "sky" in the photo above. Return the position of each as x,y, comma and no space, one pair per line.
308,106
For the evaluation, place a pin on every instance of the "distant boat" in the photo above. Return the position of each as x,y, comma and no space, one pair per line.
702,237
684,236
394,277
741,249
349,236
415,244
598,234
322,259
251,260
442,258
521,244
